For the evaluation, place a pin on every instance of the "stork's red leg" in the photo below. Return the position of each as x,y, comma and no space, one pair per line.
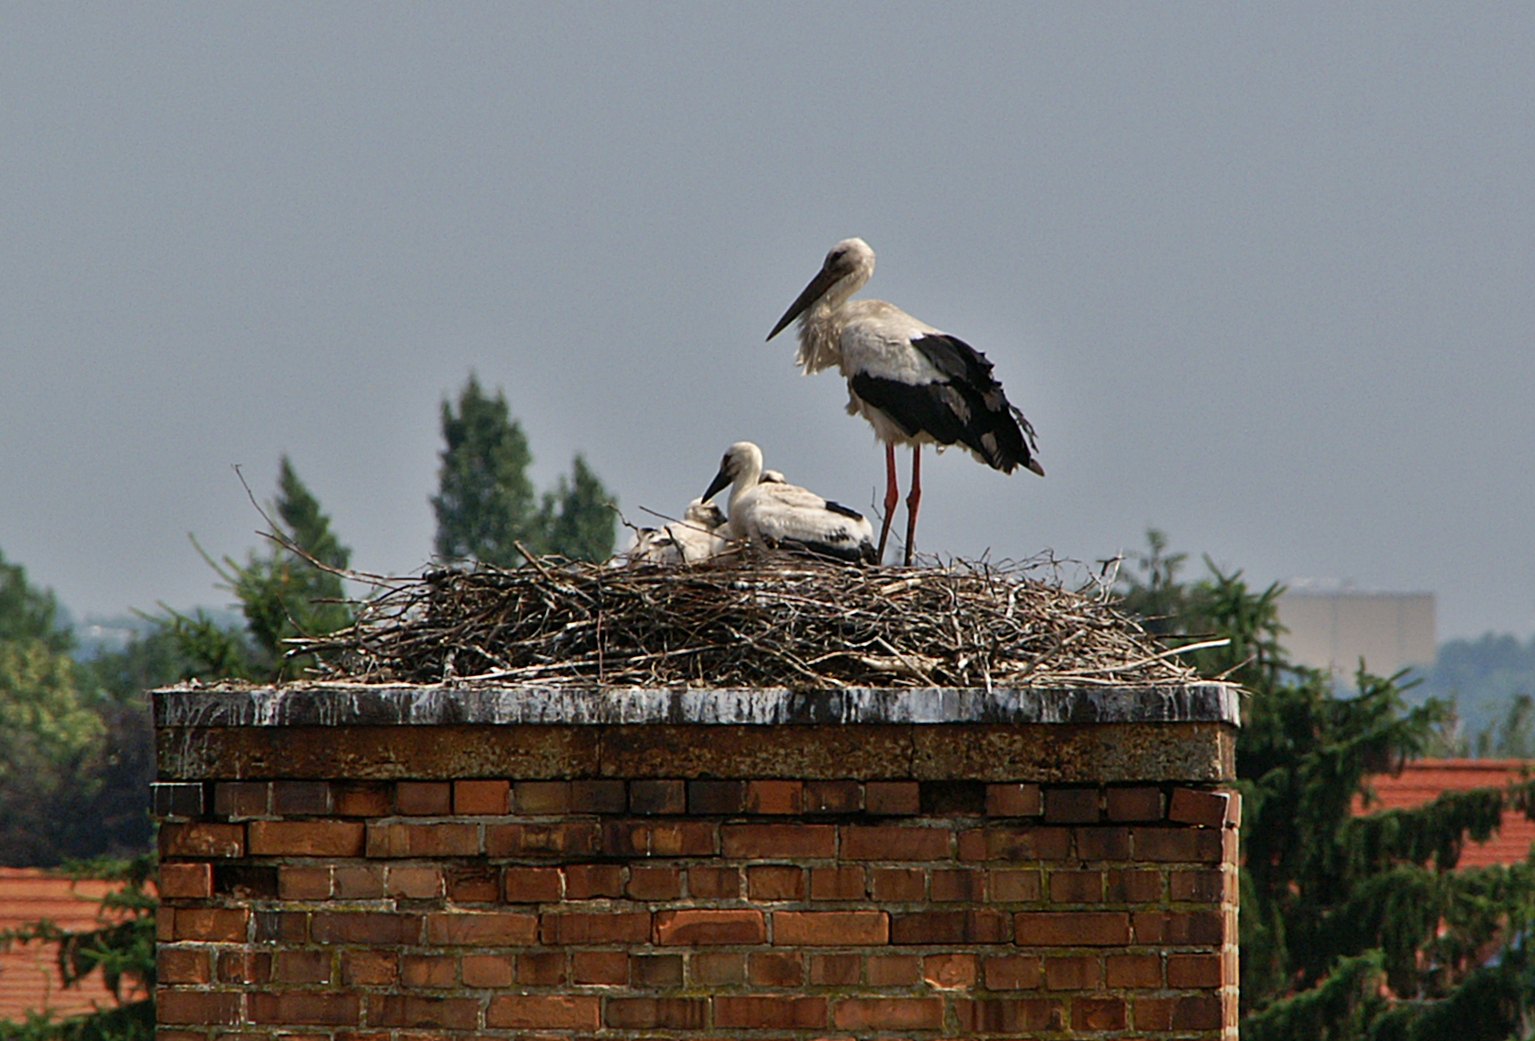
892,497
912,501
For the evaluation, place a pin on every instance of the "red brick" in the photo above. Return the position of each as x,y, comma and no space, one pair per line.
775,882
962,884
1071,805
1012,972
215,924
360,799
196,1006
427,970
290,966
657,797
1098,1013
718,798
544,1012
541,969
844,882
423,798
1194,971
1071,928
1103,843
658,839
1074,972
482,798
1134,804
657,1013
202,840
1017,843
300,798
698,927
1153,1013
299,883
779,840
482,929
302,1007
1177,844
892,798
980,925
542,798
892,842
410,1010
1010,1015
1133,886
372,927
585,881
775,969
656,970
185,881
711,883
532,885
1201,928
1201,886
247,967
600,967
241,798
773,796
423,840
1140,971
281,926
655,883
610,927
1197,1013
830,928
889,1014
569,838
951,971
893,970
593,796
360,881
306,838
1076,887
712,968
369,968
833,797
1233,809
1013,885
835,970
1193,806
183,965
777,1011
1014,800
898,885
415,882
487,970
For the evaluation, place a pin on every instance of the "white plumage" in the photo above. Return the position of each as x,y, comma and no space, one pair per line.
774,513
695,538
914,384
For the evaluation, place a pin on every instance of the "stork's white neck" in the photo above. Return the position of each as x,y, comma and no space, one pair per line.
747,476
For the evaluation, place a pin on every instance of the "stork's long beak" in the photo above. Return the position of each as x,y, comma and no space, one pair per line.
721,479
817,288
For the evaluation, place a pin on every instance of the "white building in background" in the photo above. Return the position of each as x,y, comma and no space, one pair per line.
1333,625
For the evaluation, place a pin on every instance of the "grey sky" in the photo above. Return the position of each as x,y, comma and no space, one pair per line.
1263,276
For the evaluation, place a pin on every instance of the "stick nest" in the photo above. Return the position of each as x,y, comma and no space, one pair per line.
763,621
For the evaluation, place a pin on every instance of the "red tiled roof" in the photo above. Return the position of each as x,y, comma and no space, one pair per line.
1422,780
29,973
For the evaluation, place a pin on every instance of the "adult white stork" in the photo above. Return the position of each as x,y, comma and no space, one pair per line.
914,384
778,514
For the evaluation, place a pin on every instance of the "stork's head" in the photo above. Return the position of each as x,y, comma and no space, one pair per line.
844,271
741,465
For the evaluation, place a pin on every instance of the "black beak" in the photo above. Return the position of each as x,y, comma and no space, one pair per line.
721,479
817,288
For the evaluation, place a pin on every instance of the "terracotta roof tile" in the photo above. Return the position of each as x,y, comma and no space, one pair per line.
1422,780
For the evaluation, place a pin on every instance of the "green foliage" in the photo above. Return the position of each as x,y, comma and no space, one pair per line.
29,613
485,500
121,948
1351,927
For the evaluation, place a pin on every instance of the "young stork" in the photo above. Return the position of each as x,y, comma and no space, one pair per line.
695,538
915,385
775,513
